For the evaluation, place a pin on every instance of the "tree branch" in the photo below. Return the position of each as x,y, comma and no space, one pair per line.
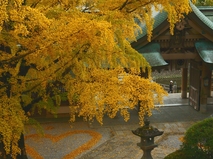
28,107
123,5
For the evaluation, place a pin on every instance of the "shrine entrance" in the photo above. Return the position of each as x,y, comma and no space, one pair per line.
190,50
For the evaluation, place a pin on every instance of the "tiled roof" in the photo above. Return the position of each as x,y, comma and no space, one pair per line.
207,11
161,16
205,50
158,19
201,16
151,52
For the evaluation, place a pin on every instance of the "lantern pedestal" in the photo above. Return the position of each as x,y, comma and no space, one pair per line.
147,134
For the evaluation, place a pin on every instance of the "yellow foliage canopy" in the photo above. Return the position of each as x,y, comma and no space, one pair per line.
110,92
81,46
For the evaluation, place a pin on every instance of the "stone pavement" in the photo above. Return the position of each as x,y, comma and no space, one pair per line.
123,145
117,141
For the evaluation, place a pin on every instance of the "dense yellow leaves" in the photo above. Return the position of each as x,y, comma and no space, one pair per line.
76,49
109,10
111,91
12,120
176,10
3,14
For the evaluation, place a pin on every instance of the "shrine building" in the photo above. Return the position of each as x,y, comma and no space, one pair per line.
189,49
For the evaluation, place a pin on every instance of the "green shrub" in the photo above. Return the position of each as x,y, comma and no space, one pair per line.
179,154
198,142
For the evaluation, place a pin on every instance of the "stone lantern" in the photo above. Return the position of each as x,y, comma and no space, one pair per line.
147,134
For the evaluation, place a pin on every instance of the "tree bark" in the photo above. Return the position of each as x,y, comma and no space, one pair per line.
21,145
2,151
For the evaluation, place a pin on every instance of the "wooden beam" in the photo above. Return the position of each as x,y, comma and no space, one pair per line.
187,37
176,56
202,29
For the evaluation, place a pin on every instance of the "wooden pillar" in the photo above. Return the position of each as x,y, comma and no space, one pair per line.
205,86
184,83
210,83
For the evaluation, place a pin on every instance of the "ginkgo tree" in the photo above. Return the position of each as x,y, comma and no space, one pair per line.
78,50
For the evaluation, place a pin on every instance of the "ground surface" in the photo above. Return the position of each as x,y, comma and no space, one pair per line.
113,140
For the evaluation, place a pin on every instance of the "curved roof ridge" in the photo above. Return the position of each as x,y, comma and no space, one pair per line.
161,16
158,19
201,16
205,50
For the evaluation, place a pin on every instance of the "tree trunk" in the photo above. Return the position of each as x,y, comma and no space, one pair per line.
2,151
21,145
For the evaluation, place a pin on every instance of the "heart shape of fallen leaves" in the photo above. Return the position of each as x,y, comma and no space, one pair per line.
55,138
